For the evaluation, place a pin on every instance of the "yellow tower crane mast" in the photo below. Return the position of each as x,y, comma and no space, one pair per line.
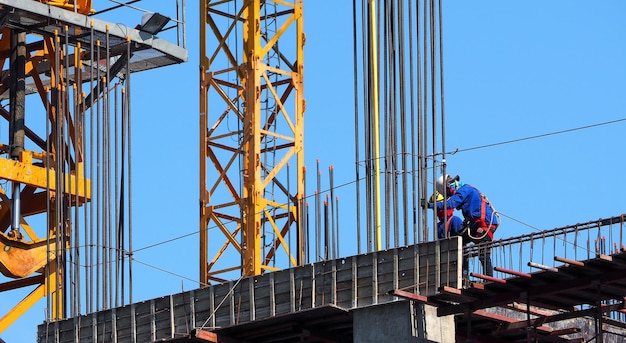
251,133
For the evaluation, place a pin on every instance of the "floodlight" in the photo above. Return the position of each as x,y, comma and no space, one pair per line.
153,23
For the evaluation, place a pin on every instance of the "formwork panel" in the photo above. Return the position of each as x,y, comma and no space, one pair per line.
66,332
387,274
145,323
344,286
406,269
323,283
242,296
349,283
181,316
204,307
303,283
123,325
366,279
162,318
223,305
85,328
263,286
104,330
429,269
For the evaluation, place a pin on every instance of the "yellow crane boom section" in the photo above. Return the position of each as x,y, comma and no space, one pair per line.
82,6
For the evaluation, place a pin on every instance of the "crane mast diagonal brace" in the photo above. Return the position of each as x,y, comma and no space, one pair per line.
247,193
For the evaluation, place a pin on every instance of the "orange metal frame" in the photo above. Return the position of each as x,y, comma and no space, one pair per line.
31,257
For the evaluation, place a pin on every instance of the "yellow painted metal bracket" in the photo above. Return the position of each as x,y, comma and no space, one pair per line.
81,6
21,259
40,177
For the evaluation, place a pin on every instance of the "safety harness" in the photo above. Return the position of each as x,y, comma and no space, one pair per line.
448,226
484,228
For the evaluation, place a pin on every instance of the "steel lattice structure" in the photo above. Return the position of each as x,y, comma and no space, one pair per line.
251,130
65,222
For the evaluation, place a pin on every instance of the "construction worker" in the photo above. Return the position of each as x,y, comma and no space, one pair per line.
448,225
480,218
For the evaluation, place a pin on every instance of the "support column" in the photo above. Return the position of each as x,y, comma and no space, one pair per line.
16,125
402,321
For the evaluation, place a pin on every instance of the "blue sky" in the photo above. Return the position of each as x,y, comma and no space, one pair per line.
513,69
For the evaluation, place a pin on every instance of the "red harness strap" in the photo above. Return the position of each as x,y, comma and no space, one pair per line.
482,223
448,226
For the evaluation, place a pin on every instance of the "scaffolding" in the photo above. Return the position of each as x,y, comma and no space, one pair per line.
576,296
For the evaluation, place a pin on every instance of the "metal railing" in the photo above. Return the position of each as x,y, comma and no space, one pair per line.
530,252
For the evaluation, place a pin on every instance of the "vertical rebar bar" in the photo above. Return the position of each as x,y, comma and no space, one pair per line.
332,213
356,129
318,214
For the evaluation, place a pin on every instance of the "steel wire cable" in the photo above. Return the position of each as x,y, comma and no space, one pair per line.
539,136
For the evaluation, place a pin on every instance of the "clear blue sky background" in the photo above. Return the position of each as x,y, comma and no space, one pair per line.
513,69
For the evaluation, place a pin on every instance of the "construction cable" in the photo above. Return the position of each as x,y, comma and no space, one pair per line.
538,136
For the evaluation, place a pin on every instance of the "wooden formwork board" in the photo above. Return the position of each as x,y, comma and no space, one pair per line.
349,283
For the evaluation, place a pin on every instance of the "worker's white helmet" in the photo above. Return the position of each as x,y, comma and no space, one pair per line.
441,183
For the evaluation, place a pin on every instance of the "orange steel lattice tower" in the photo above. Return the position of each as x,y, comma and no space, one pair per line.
45,171
65,185
251,130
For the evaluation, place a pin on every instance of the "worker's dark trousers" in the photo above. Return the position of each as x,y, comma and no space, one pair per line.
484,256
485,260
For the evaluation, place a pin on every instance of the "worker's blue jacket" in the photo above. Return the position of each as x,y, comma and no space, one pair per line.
455,227
470,201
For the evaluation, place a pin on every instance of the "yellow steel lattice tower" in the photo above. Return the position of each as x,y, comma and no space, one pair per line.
65,171
51,180
251,132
